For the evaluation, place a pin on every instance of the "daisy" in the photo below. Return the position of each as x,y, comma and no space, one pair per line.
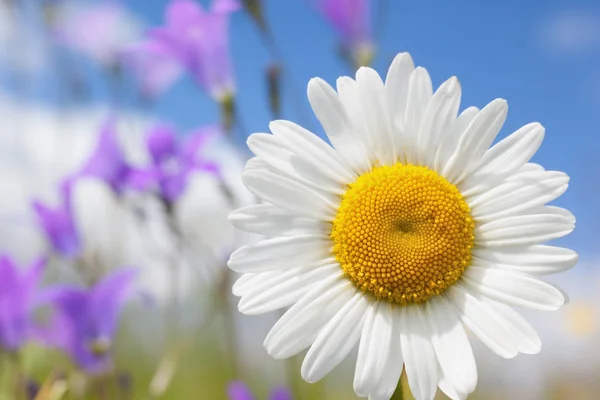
408,231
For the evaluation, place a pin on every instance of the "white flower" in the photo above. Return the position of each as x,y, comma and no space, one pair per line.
406,232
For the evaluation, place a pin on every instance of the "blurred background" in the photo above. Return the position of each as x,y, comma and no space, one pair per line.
122,141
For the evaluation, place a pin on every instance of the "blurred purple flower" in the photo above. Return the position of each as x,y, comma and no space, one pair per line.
87,320
173,162
107,162
100,30
58,224
199,41
239,391
154,66
352,20
19,298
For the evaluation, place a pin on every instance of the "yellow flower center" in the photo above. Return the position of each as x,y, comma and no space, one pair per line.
403,233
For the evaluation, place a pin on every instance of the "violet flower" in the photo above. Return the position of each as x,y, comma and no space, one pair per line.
88,319
240,391
154,66
101,31
58,224
172,162
107,161
199,40
352,20
19,298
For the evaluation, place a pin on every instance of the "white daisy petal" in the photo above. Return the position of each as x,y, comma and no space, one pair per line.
451,345
375,345
504,159
289,194
514,196
533,260
419,356
475,140
269,148
270,220
450,139
284,289
513,288
396,86
420,91
328,108
280,253
348,91
482,321
299,326
526,338
336,339
245,282
313,149
447,387
553,210
388,381
439,115
522,230
371,94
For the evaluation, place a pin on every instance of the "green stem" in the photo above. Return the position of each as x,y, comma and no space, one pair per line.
18,381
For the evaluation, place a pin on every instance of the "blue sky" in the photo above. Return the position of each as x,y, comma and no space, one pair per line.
542,56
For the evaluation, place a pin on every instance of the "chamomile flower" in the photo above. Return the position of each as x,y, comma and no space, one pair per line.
408,231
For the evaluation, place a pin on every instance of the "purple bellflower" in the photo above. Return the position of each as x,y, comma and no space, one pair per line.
58,224
172,162
100,31
20,296
154,66
88,319
107,162
199,40
351,19
239,391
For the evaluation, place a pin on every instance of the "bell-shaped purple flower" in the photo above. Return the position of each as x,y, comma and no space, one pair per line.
199,40
352,20
58,224
20,296
173,162
107,161
100,30
88,319
240,391
154,66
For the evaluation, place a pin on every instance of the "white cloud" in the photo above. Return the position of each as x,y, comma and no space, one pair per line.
573,31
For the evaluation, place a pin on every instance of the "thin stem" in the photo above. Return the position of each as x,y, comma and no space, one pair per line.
295,93
292,375
18,382
231,344
171,353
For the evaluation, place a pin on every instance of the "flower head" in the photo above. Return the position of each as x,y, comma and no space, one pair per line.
172,162
107,161
101,31
88,319
19,297
199,40
406,231
58,223
240,391
351,19
154,65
